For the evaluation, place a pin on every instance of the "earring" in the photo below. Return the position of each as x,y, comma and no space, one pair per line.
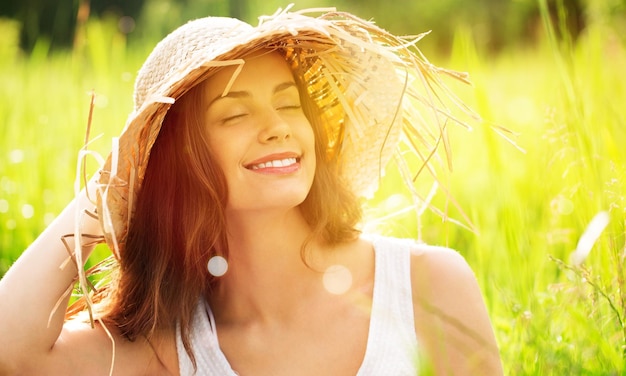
218,266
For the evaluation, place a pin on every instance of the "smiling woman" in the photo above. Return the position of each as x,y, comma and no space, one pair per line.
259,135
231,205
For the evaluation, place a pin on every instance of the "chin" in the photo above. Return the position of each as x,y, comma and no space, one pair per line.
276,200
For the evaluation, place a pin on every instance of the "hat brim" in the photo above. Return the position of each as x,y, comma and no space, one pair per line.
359,76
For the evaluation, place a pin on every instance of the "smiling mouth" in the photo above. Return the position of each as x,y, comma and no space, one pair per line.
277,163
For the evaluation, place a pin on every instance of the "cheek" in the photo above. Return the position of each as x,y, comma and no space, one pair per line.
311,161
222,154
306,134
310,137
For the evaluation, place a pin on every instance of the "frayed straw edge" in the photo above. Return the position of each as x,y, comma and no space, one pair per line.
107,221
419,204
108,332
280,12
84,284
78,224
427,166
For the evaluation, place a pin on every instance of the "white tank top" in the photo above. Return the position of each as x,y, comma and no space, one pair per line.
391,344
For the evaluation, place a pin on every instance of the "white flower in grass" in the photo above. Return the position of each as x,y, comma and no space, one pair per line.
589,237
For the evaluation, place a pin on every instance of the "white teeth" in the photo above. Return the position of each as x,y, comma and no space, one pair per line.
276,163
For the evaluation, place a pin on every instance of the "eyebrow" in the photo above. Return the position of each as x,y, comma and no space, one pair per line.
245,94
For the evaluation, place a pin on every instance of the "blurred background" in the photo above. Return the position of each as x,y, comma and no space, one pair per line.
496,24
540,179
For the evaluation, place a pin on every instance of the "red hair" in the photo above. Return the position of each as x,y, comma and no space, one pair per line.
179,223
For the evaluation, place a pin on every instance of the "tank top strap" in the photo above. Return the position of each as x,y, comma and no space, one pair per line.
210,361
392,344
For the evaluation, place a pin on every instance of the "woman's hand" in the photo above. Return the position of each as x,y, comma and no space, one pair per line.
35,291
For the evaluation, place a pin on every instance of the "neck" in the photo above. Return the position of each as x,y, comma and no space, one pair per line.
267,277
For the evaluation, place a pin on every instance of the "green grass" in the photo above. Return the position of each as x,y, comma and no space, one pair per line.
565,102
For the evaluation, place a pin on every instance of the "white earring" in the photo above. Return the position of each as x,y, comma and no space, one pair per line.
218,266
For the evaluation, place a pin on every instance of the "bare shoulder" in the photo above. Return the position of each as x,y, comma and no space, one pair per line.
83,350
445,288
433,264
451,320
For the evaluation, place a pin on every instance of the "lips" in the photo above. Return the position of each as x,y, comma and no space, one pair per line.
275,163
278,161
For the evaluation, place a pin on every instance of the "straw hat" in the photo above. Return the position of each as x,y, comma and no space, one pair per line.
363,79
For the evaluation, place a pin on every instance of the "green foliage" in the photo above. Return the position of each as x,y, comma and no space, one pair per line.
563,99
44,105
9,43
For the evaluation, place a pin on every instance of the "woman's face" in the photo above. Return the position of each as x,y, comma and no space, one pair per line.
259,136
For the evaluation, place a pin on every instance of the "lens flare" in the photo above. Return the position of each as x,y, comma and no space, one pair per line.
337,279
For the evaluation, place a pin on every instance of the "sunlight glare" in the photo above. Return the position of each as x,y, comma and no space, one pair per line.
28,211
16,156
337,279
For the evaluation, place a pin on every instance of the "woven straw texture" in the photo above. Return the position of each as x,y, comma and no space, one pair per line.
364,80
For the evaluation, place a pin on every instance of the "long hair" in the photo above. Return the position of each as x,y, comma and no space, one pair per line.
179,222
177,225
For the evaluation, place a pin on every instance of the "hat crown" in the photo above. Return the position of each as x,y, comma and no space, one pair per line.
373,95
197,40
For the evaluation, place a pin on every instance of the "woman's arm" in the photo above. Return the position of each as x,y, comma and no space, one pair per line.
30,325
34,336
451,320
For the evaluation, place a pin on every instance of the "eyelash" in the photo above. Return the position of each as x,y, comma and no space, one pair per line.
230,118
290,107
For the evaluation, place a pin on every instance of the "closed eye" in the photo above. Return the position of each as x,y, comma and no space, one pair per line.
233,117
290,107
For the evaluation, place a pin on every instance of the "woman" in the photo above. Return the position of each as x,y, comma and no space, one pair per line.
230,204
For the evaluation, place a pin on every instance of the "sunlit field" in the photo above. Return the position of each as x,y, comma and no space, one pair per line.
529,199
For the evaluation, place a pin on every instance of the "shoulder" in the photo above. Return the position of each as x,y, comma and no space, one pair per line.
439,276
444,285
82,350
432,264
426,260
451,320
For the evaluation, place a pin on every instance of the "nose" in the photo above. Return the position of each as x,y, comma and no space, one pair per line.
274,128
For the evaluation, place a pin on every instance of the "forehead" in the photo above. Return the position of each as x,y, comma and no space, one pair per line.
265,67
